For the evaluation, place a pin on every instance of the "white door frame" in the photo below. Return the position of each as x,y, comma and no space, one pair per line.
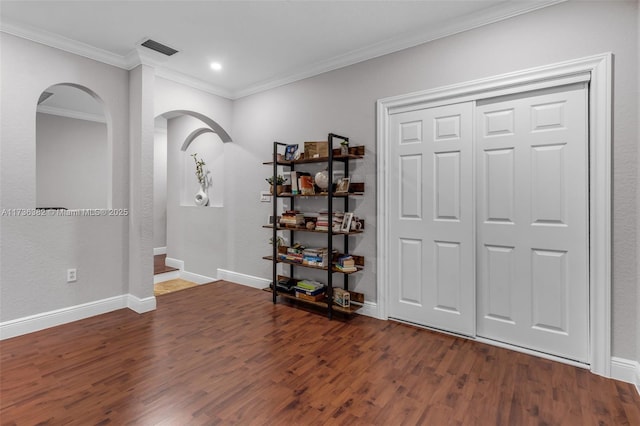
597,69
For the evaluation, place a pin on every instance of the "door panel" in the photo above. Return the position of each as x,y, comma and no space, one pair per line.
532,230
431,225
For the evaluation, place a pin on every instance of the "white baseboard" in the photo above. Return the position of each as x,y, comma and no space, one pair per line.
166,276
196,278
244,279
626,370
369,309
32,323
174,263
159,250
141,305
180,273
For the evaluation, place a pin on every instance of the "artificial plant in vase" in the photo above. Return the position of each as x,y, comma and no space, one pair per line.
201,197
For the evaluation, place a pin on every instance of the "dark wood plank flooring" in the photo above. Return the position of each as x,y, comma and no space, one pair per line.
158,264
224,354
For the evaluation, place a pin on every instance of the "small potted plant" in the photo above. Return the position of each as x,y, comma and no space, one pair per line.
279,181
344,148
279,243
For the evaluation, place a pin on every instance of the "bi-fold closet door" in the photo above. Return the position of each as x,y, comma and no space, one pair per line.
488,223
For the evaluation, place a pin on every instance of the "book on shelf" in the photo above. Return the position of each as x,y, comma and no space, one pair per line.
310,285
310,288
293,177
346,264
306,184
346,268
292,218
322,224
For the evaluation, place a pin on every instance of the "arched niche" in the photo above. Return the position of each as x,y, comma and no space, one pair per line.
209,122
73,150
205,137
209,148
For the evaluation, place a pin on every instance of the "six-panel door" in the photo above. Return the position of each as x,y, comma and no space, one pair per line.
431,225
532,221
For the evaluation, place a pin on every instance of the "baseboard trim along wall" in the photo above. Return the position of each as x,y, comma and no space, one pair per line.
32,323
159,250
238,278
626,370
174,263
141,305
368,309
181,273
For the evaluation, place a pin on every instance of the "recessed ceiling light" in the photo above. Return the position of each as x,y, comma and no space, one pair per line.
216,66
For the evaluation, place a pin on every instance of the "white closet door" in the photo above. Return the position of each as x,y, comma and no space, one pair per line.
431,252
532,243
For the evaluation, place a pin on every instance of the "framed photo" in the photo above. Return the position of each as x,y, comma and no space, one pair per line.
343,185
346,222
290,152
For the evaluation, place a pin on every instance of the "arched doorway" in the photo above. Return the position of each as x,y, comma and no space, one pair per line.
183,231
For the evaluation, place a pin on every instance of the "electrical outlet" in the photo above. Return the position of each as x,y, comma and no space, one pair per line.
265,196
72,275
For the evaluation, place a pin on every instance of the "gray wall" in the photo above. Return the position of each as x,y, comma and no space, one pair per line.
35,252
343,101
71,163
160,185
638,208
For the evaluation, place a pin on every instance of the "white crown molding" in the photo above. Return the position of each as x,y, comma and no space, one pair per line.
504,10
59,42
78,115
386,47
187,80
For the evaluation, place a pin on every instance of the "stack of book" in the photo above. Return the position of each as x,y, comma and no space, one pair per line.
322,224
294,254
315,257
292,219
310,290
346,264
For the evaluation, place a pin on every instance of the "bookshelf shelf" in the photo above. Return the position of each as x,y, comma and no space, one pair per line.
303,229
350,260
321,194
324,268
320,304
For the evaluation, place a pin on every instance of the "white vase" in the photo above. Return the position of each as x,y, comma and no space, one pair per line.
201,199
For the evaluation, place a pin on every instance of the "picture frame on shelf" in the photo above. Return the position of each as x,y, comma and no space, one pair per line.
346,222
290,152
342,187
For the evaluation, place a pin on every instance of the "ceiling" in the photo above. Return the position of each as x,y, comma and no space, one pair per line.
260,44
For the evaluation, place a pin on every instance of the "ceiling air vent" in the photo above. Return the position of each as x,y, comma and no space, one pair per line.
159,47
44,96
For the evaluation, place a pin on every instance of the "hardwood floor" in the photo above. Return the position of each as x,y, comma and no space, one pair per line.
224,354
158,265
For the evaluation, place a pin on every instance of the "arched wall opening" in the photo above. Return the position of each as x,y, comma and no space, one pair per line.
186,232
73,149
